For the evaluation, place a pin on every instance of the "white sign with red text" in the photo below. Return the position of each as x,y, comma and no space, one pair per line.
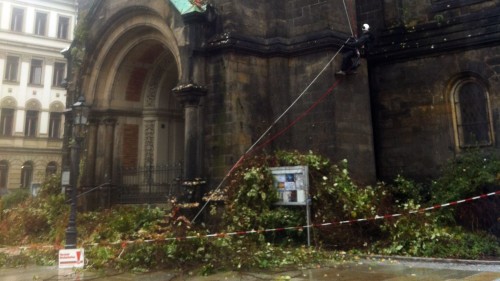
71,258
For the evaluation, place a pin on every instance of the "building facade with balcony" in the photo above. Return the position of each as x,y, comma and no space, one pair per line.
32,92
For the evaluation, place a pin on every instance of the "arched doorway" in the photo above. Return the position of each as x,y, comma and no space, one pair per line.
136,122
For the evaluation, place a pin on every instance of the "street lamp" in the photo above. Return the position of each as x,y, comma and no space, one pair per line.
80,116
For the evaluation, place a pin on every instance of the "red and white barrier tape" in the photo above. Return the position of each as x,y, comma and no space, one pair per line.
253,231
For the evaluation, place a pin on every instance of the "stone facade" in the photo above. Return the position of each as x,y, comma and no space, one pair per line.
203,87
425,50
32,90
266,54
252,63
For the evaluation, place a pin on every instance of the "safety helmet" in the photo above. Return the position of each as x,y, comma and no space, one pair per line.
366,27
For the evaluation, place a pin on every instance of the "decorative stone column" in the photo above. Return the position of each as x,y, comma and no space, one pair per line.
109,138
190,95
91,152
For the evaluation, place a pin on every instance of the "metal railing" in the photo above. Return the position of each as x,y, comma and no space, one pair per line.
148,185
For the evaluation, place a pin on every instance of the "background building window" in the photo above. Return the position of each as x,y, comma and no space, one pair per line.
26,174
30,125
55,125
11,68
51,169
4,173
62,28
59,74
16,23
40,23
6,121
36,72
473,122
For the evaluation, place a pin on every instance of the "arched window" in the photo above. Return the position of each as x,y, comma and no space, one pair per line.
26,174
4,174
56,120
33,108
51,168
7,115
31,122
6,121
472,113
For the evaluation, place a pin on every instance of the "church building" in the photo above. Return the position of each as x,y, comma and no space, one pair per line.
181,90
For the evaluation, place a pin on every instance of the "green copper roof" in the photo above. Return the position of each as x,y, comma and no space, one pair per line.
188,6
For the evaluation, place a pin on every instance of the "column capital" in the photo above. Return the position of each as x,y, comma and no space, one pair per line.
108,121
190,94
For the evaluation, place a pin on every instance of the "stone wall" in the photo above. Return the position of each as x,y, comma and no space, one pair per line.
252,81
236,108
282,18
421,47
414,112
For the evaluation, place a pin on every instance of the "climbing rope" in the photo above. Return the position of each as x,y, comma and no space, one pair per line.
252,147
244,155
348,19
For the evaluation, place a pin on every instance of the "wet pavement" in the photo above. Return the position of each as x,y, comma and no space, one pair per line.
380,269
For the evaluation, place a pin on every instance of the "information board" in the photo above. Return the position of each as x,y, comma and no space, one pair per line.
292,185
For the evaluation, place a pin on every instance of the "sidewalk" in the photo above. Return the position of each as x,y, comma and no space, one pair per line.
380,269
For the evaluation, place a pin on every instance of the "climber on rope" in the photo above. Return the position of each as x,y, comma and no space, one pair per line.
354,48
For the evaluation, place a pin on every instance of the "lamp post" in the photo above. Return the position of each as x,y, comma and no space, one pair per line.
80,116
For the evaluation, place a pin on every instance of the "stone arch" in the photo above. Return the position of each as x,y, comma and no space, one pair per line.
4,176
476,110
130,30
51,168
33,104
56,106
130,71
8,102
27,174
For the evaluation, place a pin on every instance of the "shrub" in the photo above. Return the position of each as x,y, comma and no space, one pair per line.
472,173
35,219
141,238
14,198
435,233
411,234
335,197
469,174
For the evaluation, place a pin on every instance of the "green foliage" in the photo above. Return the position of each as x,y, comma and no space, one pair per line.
334,194
412,234
7,260
81,35
120,223
139,238
37,256
335,197
404,190
36,219
467,175
423,235
14,198
468,245
436,234
43,256
472,173
250,195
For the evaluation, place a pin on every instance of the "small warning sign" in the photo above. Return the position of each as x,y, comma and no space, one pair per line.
71,258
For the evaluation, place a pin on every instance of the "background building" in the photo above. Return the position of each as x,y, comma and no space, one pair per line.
32,92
